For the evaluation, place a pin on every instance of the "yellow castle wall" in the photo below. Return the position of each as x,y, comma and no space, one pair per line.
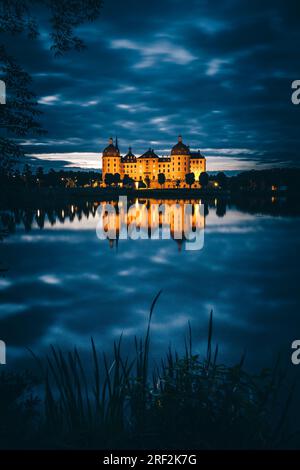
197,166
175,169
111,165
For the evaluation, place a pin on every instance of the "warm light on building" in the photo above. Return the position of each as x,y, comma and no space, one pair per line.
147,167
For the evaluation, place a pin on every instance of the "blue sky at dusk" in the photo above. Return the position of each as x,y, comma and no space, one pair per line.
219,73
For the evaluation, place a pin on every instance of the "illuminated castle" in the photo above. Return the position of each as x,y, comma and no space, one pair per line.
148,166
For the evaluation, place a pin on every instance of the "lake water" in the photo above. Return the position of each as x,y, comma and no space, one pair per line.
64,285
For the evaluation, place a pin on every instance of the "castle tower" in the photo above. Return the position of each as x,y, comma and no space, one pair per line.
111,160
180,160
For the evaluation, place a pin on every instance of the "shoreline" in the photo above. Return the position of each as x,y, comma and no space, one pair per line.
10,194
24,196
269,202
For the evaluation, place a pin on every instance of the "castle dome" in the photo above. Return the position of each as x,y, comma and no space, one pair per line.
180,148
129,157
111,150
129,153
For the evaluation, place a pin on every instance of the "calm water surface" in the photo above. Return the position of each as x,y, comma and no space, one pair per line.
64,285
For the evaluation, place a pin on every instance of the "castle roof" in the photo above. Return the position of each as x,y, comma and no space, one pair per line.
196,154
180,148
149,154
111,150
129,157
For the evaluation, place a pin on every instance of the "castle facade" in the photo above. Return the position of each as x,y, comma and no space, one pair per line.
148,166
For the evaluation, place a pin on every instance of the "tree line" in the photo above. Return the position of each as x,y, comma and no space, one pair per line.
204,179
59,20
272,180
52,179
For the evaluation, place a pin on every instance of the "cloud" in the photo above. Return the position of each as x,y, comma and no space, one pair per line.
134,108
215,66
221,75
153,53
84,160
56,100
48,100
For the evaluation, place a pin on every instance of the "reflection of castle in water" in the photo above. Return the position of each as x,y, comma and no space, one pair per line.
53,213
149,218
44,217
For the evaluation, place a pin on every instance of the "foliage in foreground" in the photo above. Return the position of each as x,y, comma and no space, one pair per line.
189,402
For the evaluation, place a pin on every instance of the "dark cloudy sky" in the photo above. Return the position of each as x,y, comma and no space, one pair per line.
218,72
